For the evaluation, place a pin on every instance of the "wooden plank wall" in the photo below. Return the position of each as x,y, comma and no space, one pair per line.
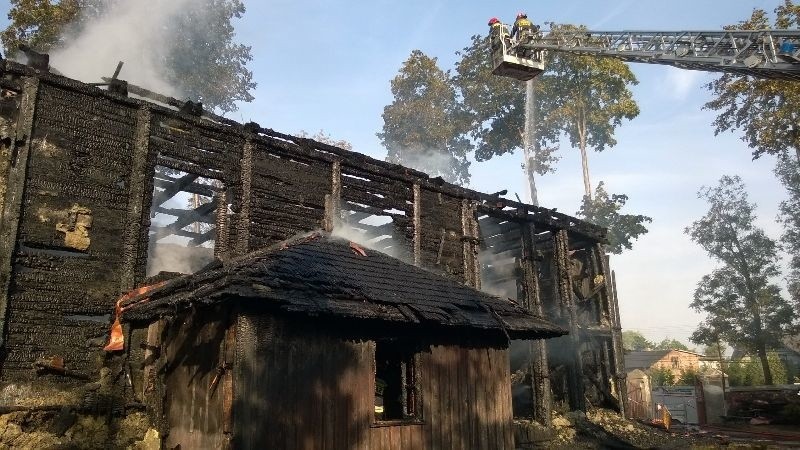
298,387
194,392
466,399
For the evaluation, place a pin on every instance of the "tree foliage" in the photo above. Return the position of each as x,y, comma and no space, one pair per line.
39,23
743,305
205,62
604,210
788,172
424,127
200,58
661,376
687,377
496,109
766,111
750,373
581,97
714,349
443,117
588,98
635,341
671,344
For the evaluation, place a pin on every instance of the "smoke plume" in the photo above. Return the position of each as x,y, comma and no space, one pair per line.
137,32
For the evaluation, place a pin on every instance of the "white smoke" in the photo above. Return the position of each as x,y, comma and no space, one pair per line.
137,32
432,162
353,234
385,244
177,258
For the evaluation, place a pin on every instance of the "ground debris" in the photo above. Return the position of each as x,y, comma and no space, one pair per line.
41,430
606,429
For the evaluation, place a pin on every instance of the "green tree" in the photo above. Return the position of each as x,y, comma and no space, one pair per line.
687,377
200,57
582,97
788,172
714,350
766,111
424,127
670,344
604,210
661,376
590,97
496,109
749,372
635,341
743,305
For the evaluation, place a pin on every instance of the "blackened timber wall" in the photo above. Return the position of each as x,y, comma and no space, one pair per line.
287,193
67,260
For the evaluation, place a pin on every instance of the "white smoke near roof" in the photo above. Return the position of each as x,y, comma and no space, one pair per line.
384,244
138,32
432,162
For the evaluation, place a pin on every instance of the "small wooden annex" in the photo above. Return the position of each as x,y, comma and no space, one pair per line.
317,343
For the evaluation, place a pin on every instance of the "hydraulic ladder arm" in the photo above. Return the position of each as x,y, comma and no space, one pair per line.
772,54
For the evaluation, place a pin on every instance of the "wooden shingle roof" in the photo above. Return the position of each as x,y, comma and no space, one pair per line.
321,275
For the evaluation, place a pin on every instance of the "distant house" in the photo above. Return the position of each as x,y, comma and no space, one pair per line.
317,343
674,360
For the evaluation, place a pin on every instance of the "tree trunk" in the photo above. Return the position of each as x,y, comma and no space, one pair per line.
587,185
762,356
528,140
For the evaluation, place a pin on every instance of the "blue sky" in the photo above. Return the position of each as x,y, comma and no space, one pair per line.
327,65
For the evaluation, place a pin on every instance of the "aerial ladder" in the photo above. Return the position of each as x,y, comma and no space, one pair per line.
769,54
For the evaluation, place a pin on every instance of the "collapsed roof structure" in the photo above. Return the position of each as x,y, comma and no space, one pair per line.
103,190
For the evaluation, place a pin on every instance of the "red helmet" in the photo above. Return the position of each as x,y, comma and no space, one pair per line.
493,21
520,15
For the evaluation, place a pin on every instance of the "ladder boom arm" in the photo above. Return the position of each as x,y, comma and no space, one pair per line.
773,54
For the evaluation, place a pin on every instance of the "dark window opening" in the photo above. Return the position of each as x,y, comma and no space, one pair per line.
396,393
675,362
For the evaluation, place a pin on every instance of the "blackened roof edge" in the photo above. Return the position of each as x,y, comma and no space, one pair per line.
352,287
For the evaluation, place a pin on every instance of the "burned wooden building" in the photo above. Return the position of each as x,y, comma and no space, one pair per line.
101,190
324,344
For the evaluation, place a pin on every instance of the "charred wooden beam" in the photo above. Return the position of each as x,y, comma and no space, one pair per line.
192,188
176,186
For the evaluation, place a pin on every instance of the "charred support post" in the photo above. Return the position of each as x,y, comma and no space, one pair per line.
222,224
601,285
417,223
15,182
620,378
538,349
577,399
133,224
470,236
242,243
333,201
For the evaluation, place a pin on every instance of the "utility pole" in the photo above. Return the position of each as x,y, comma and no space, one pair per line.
528,142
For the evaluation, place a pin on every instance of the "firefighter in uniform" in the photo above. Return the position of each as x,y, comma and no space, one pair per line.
497,33
523,29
